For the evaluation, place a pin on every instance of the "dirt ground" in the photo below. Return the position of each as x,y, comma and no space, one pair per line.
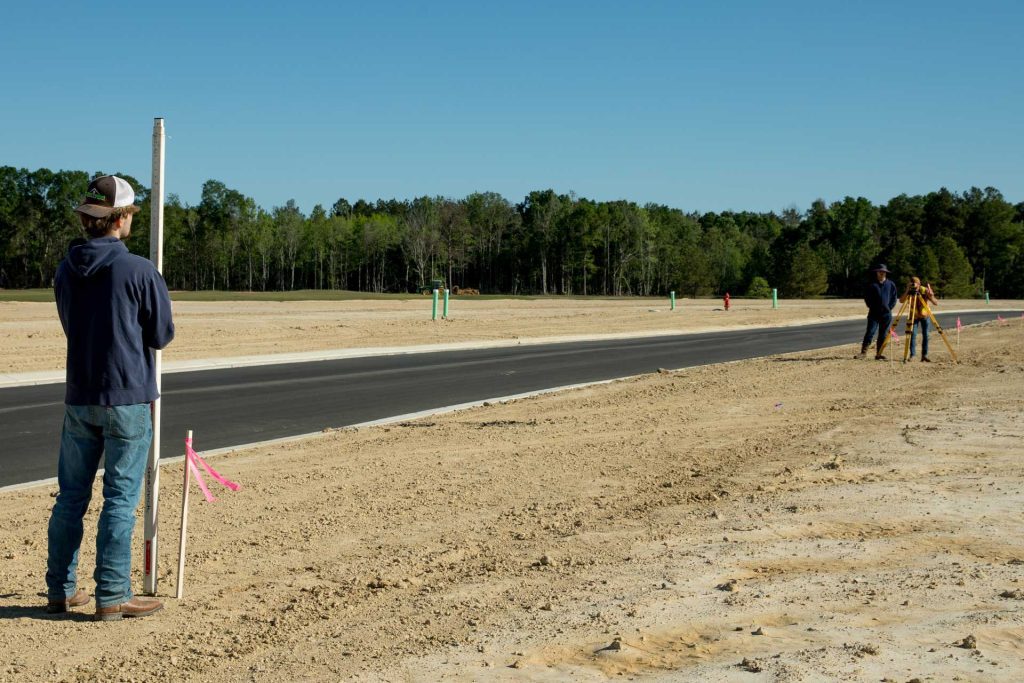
796,518
31,338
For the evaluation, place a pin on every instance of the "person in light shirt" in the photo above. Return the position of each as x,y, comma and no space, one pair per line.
925,296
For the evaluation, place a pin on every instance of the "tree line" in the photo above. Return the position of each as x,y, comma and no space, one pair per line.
963,243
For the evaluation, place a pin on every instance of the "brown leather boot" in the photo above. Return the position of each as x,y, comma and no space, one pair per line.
61,606
136,607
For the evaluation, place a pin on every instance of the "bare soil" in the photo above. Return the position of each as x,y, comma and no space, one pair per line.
796,518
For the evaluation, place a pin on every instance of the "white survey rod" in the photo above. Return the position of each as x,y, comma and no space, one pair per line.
156,255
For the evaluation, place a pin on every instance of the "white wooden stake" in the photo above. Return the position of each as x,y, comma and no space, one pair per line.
184,527
151,516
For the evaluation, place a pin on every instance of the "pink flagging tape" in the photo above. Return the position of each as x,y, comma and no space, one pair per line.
193,460
199,477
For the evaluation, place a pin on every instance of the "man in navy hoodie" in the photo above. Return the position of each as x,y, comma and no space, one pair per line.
880,296
115,310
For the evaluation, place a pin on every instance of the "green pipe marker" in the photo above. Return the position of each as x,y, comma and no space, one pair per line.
672,297
445,315
775,298
986,296
433,315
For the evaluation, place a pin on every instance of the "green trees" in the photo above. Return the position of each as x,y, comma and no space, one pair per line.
37,221
579,240
549,243
954,238
727,250
991,239
807,275
490,220
759,288
851,243
380,236
955,273
680,264
420,237
540,215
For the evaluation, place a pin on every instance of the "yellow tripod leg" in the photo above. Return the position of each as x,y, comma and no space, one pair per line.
938,328
910,326
892,328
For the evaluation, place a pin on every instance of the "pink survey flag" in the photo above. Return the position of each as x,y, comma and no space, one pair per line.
1000,318
193,459
959,325
895,337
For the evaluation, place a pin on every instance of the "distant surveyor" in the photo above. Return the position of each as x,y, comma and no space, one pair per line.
881,297
115,310
923,296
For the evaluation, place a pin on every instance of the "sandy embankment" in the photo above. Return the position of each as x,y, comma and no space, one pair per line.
31,338
804,517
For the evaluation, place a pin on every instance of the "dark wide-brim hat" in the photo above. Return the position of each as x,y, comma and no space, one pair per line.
880,268
105,194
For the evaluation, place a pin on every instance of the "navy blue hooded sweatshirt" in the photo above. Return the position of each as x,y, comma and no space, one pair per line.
880,298
115,310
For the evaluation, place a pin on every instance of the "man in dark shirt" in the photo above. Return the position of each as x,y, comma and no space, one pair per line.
115,311
881,297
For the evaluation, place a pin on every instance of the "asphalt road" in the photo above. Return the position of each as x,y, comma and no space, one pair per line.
243,405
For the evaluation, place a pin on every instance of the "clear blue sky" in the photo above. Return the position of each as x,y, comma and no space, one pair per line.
699,105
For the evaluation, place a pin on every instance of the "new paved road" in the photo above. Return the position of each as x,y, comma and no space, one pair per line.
242,405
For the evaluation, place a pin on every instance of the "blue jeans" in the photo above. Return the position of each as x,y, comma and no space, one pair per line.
882,324
923,322
122,434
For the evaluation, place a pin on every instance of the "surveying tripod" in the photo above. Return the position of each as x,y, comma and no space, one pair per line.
912,303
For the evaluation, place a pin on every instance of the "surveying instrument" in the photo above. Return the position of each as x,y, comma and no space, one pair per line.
916,301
